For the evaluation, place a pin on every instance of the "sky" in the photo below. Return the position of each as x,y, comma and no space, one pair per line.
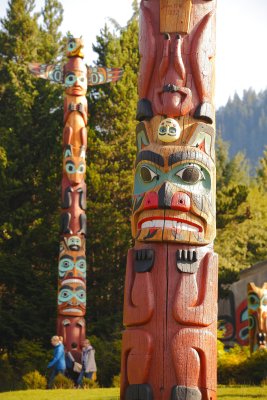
241,60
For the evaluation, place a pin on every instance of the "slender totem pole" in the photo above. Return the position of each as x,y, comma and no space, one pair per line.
170,300
257,316
76,76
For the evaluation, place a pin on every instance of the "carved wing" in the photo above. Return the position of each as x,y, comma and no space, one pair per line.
101,75
51,72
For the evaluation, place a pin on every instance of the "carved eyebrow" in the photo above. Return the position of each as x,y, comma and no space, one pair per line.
66,287
189,155
66,256
148,155
81,258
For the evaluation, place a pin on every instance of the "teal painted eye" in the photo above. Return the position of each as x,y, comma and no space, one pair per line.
191,174
81,296
64,295
70,79
253,301
70,167
162,130
81,265
172,130
65,265
147,174
81,168
82,79
71,46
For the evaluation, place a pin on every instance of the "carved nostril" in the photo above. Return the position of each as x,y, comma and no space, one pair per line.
150,201
180,201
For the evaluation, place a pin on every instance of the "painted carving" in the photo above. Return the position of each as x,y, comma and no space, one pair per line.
257,316
75,77
177,48
171,275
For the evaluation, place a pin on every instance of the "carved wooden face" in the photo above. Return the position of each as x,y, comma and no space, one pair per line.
169,130
74,165
72,264
174,197
257,314
72,297
72,243
75,47
75,77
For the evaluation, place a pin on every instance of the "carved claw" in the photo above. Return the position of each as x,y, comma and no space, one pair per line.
144,260
185,393
144,110
139,392
187,261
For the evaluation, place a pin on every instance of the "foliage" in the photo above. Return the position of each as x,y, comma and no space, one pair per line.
89,384
62,382
243,122
107,354
236,366
34,380
116,381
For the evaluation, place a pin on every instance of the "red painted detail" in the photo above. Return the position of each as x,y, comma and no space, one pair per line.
202,146
180,202
151,201
153,218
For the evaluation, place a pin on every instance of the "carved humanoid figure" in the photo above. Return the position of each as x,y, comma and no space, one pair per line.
170,298
75,76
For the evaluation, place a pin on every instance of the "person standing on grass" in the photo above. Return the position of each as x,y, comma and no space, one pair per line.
88,362
72,356
58,361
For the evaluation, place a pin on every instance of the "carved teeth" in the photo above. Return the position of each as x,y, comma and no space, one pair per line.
171,224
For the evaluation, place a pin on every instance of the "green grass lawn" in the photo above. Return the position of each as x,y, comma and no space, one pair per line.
224,393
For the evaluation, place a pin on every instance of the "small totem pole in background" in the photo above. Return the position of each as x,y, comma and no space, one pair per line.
257,316
170,301
76,76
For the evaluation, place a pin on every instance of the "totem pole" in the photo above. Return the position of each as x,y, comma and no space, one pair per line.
257,316
170,299
75,76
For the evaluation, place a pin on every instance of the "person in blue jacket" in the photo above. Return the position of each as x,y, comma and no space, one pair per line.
58,361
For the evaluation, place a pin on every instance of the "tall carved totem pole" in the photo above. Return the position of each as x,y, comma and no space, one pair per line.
75,76
170,300
257,316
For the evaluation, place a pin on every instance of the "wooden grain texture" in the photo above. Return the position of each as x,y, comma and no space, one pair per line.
175,15
182,337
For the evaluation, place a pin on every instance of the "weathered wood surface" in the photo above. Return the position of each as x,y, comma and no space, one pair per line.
170,299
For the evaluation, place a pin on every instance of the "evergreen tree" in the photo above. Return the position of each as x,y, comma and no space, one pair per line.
110,181
30,133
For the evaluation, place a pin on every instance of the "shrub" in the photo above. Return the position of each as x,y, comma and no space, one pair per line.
89,384
237,366
62,382
116,381
34,380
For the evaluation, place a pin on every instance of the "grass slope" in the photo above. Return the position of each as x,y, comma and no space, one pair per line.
224,393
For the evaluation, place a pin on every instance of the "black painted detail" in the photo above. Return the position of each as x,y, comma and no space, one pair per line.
187,261
65,223
170,88
185,393
204,111
165,195
144,260
82,199
83,226
144,110
147,155
139,392
137,203
67,199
